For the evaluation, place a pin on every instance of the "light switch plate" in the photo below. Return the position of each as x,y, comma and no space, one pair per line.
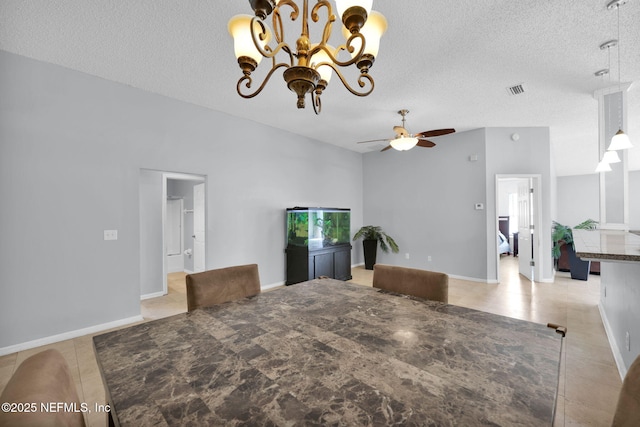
110,234
479,206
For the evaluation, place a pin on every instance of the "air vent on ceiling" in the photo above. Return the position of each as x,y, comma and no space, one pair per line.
516,89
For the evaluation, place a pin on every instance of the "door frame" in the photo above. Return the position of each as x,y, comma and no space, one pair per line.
536,183
166,176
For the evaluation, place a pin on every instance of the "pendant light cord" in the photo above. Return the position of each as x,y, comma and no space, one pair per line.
619,73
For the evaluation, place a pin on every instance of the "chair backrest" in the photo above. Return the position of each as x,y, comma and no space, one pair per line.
222,285
628,408
43,378
412,281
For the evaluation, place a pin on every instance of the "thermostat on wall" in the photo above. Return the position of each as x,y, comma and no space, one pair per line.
479,206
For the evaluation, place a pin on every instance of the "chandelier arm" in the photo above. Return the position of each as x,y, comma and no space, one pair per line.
361,80
326,34
347,46
249,81
277,18
317,104
267,52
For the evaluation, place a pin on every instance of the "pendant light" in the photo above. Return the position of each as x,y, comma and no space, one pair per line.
620,140
611,156
603,167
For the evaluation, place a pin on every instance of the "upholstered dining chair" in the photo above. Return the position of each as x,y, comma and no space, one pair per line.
213,287
412,281
43,378
628,409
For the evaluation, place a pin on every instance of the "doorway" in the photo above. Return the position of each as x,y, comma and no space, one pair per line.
183,224
518,198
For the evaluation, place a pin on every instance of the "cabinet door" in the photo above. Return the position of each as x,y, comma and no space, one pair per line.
323,264
342,265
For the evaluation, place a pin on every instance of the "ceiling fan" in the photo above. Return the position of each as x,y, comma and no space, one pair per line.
406,141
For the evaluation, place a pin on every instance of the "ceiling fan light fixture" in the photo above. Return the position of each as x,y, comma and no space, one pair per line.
403,143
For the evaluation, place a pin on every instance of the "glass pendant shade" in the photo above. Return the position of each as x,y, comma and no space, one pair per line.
240,29
372,31
320,57
342,5
620,141
404,143
603,167
611,157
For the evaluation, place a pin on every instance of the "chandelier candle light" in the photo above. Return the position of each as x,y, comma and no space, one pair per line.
309,66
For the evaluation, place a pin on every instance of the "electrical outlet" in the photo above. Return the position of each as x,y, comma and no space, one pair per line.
110,234
429,258
627,341
406,255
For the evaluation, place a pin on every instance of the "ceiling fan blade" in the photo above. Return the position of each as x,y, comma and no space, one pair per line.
425,143
373,140
435,132
386,148
400,131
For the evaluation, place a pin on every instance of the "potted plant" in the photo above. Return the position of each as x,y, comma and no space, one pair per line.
563,240
372,235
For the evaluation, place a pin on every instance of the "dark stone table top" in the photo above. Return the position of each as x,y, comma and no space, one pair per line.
326,352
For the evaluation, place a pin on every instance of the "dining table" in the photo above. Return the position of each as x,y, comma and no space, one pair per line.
328,352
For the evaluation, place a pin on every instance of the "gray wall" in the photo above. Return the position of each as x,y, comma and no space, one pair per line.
579,195
151,253
634,200
72,148
578,199
530,154
619,301
425,198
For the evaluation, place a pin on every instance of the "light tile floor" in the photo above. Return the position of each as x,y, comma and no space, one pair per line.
589,382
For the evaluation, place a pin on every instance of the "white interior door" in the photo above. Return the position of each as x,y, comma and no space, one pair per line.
198,228
525,238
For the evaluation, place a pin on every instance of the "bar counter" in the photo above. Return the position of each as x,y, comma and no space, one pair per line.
607,245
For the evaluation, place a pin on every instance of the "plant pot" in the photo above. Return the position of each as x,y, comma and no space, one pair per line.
370,248
579,268
562,263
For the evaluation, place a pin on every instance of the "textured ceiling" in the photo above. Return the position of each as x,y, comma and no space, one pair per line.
449,63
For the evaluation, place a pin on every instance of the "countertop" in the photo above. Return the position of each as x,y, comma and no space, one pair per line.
607,245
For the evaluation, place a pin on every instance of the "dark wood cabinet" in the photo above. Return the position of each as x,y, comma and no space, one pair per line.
304,264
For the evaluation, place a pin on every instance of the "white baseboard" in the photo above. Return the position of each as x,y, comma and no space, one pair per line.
152,295
69,335
617,355
271,286
474,279
188,271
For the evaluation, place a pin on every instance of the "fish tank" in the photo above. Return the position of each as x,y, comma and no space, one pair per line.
317,228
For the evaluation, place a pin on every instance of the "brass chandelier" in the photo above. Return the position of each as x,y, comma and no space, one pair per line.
309,66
